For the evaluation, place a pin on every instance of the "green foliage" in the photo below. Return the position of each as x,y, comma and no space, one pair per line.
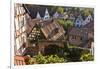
53,8
40,59
54,59
65,23
31,61
69,23
87,57
70,54
60,10
87,11
74,54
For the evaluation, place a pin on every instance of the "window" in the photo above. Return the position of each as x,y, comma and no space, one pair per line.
73,37
22,22
77,21
81,38
56,30
77,25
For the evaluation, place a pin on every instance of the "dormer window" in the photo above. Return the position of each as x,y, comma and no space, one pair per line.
46,16
77,21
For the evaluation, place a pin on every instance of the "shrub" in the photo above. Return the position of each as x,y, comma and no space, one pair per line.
54,59
40,59
87,57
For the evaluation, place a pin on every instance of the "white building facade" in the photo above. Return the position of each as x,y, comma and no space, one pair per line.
21,19
46,16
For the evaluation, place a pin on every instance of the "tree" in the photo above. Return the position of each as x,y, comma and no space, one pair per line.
69,23
66,24
74,54
87,11
60,10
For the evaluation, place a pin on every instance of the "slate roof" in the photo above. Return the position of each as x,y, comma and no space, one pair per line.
52,30
33,9
82,31
90,26
78,31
